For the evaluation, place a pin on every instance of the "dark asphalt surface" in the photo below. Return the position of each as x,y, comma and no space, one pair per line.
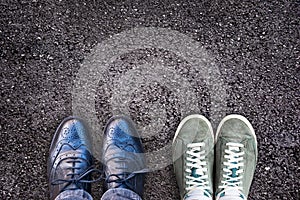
44,43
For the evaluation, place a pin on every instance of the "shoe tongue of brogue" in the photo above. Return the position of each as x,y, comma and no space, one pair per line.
121,164
122,167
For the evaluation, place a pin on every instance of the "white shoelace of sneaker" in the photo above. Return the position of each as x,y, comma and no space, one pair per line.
197,166
233,167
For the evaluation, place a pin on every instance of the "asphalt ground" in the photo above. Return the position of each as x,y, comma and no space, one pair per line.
45,44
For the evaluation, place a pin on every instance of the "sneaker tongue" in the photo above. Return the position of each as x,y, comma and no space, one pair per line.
231,198
196,194
196,172
231,195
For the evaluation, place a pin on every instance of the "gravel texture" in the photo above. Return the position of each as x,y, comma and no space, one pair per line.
43,44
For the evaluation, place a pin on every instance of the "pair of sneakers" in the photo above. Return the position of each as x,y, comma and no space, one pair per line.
71,161
209,167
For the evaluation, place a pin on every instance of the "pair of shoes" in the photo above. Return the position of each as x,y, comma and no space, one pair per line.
70,162
233,153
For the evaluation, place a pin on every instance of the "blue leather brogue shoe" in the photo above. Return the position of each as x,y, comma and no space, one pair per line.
123,159
70,159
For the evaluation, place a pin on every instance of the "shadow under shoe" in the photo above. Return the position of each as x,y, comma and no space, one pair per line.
123,159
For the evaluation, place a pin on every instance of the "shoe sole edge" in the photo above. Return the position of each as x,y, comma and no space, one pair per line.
235,116
198,116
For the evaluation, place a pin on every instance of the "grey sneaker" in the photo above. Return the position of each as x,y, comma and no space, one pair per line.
236,157
193,157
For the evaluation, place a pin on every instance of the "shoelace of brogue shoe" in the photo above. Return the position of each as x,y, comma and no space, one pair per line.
77,178
123,178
